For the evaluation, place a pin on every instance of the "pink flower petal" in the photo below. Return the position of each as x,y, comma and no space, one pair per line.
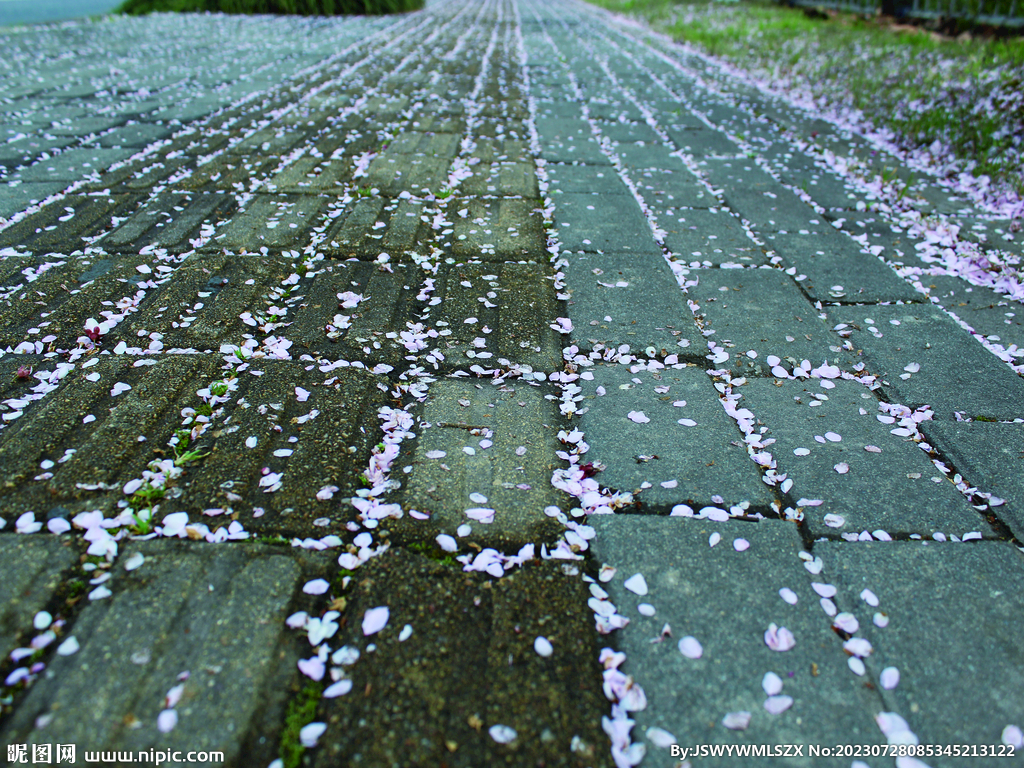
889,678
736,721
741,545
690,647
638,416
779,638
771,683
776,705
375,619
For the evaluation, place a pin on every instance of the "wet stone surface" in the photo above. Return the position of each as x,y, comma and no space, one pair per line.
318,317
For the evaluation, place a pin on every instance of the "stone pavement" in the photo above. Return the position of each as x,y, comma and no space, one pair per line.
492,385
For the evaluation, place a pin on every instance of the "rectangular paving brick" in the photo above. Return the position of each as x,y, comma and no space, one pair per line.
708,236
956,373
278,221
215,613
989,457
516,483
837,270
761,310
611,223
495,312
373,225
726,600
680,462
433,698
503,229
631,299
938,598
896,489
34,567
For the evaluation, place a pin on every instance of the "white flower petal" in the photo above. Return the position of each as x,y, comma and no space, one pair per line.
375,619
636,584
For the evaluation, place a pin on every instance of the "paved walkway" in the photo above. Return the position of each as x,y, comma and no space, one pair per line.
330,345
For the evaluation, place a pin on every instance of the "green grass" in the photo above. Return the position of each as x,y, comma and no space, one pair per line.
301,712
962,93
292,7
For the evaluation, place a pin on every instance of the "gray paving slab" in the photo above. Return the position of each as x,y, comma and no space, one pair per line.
17,197
956,373
611,223
585,179
849,487
704,237
503,229
498,442
217,614
727,599
497,312
938,598
631,299
34,567
988,313
761,311
665,191
989,457
757,197
663,461
837,270
704,142
568,140
277,221
468,666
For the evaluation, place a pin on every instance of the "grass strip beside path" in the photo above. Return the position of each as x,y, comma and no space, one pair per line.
960,99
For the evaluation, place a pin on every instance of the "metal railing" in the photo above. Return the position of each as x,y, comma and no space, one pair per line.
999,13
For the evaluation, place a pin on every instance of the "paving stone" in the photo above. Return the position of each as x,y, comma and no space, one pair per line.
468,665
504,177
990,314
171,220
698,461
517,486
957,374
69,224
565,140
334,430
666,191
998,235
705,237
217,613
757,197
312,175
497,313
504,229
357,232
16,197
393,173
73,165
586,179
610,111
830,259
897,247
138,135
939,597
897,490
630,299
611,223
787,324
639,157
704,142
272,221
989,456
727,599
33,570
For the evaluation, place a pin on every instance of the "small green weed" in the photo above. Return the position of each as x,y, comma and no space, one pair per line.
301,711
